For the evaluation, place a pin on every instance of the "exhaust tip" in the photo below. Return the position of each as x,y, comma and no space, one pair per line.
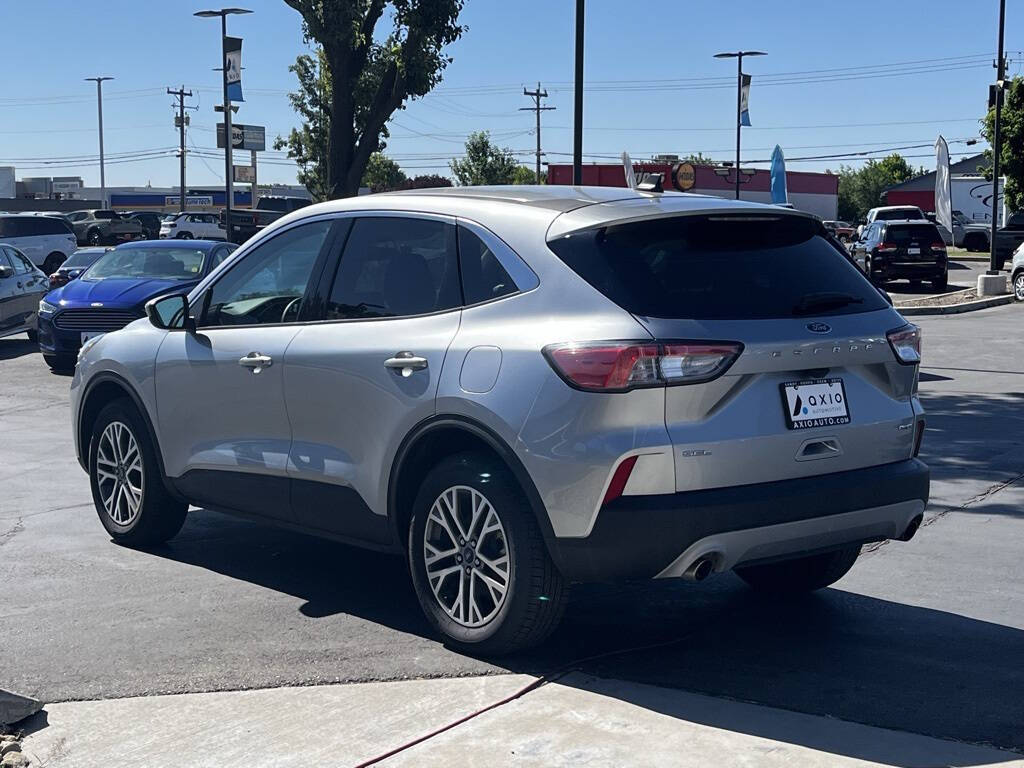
912,529
700,569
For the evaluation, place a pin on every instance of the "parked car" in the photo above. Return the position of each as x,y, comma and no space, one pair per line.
521,387
842,230
247,222
891,213
967,234
891,250
1008,237
114,290
1017,273
189,226
149,220
76,264
22,285
46,241
104,227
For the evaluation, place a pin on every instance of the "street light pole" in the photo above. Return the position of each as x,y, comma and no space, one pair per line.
577,120
997,142
229,182
738,55
99,110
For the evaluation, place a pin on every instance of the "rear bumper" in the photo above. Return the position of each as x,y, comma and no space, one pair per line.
649,536
915,270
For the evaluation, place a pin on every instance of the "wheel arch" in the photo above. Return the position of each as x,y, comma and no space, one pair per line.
102,389
442,436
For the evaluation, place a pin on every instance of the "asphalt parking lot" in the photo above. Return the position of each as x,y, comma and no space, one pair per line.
925,637
962,274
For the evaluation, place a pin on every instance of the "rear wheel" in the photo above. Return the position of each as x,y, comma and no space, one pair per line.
1018,286
127,489
184,235
479,564
940,282
804,574
94,237
975,242
53,262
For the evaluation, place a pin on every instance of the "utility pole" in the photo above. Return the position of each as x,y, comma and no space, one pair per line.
99,109
577,118
997,142
738,55
537,96
181,93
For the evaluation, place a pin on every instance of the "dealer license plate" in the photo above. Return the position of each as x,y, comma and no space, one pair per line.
815,403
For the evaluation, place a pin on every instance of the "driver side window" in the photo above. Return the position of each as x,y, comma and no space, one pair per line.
268,285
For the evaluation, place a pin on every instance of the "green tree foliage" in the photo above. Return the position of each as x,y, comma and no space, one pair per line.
371,74
382,173
861,189
425,181
1011,131
525,175
484,163
307,145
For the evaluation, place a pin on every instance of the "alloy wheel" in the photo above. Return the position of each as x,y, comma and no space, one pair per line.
119,474
465,552
1018,287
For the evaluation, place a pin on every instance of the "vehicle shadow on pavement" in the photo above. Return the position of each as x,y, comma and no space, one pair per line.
17,346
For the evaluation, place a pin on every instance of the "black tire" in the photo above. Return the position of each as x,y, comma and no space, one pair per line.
53,262
804,574
184,235
33,335
940,283
868,271
94,237
535,592
1017,282
976,242
158,516
60,362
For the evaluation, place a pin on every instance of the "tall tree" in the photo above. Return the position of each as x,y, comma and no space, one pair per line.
484,162
1011,131
382,173
372,77
307,145
524,175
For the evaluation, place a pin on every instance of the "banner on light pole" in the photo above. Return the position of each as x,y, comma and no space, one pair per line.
627,167
745,100
778,177
943,185
233,67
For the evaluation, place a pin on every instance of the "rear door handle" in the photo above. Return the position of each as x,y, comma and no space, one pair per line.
256,361
405,363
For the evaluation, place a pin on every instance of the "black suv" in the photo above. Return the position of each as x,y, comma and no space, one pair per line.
914,250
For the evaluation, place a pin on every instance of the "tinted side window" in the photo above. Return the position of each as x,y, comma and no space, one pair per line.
19,226
22,266
394,267
1016,221
5,260
268,285
715,267
483,277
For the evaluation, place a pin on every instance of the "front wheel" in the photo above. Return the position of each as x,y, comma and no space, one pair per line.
127,489
479,565
804,574
1018,286
94,237
184,235
53,262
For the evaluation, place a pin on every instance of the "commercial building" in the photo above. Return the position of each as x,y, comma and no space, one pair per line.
816,193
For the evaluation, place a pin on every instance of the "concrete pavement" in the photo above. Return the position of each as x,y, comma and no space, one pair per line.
577,720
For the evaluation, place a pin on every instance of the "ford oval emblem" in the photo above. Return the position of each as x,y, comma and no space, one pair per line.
96,304
819,327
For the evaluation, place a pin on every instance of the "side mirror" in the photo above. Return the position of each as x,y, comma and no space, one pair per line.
171,313
6,271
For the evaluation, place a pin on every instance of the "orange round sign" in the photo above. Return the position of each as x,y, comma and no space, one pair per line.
684,176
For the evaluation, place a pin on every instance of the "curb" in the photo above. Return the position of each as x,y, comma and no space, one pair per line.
956,309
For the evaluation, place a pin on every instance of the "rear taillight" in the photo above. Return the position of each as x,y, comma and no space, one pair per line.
887,248
938,247
613,366
906,344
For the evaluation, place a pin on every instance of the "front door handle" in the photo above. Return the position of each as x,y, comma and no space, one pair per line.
256,361
405,363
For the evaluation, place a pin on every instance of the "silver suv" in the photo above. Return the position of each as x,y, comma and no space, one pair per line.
518,388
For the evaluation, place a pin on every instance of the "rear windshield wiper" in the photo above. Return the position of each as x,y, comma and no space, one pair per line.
811,303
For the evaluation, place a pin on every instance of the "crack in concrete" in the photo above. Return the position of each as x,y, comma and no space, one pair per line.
977,498
9,534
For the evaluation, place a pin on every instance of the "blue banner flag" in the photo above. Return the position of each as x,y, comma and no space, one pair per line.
745,100
233,67
778,172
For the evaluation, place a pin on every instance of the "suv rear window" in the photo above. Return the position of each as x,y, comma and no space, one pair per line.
899,213
902,234
716,267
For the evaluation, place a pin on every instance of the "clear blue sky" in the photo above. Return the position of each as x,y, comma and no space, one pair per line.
683,100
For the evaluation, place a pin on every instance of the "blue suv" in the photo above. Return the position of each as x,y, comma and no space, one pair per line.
114,290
